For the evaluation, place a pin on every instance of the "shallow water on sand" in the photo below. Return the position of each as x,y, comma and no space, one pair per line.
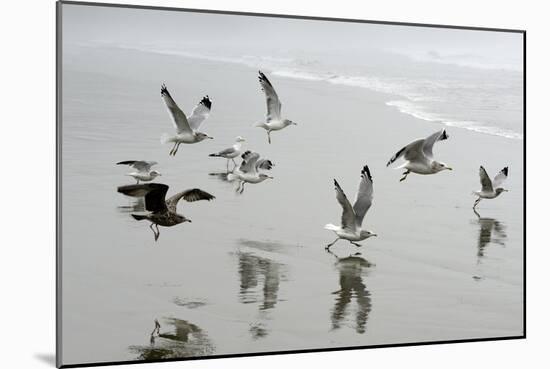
250,273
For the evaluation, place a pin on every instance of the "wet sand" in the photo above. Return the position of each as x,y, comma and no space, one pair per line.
251,273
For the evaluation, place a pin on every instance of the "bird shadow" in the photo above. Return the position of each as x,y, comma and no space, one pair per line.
48,358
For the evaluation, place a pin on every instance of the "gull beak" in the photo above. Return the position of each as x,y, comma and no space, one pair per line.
188,220
294,123
270,177
449,168
210,137
374,235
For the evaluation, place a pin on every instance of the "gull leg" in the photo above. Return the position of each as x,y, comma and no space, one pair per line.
157,234
227,166
153,229
242,188
173,148
137,181
269,136
356,244
476,202
177,147
405,174
332,243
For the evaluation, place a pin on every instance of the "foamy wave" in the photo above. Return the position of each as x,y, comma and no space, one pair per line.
413,91
409,108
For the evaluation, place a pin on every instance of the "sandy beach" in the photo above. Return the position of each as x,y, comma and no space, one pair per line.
251,274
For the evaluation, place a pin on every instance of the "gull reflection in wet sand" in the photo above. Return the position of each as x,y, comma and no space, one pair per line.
490,230
259,281
351,270
176,338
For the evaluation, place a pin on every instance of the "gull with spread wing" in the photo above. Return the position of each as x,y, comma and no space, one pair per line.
162,211
143,170
418,156
187,128
249,171
490,189
274,120
352,216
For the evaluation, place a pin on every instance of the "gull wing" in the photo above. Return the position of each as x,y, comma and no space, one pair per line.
431,140
420,149
248,164
500,177
140,165
191,195
265,164
412,151
363,199
272,100
227,151
180,120
200,113
154,193
486,184
348,215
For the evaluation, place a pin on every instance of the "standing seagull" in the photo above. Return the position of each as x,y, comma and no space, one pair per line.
144,172
162,212
352,217
274,121
419,157
490,189
187,128
248,172
232,152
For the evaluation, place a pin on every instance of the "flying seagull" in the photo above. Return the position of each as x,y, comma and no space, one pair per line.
352,217
249,171
418,156
144,172
274,121
490,189
232,152
161,211
187,128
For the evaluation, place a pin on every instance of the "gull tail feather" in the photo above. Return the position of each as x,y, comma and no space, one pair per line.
165,138
261,124
331,227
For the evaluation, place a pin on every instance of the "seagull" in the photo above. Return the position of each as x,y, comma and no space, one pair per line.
274,121
162,211
248,172
187,128
232,152
419,157
144,172
490,189
352,217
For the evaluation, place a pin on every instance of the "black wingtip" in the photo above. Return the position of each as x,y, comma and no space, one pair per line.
164,90
366,171
445,135
336,184
206,102
505,171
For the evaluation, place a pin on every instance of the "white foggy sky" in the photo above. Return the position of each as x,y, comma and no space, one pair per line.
139,27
